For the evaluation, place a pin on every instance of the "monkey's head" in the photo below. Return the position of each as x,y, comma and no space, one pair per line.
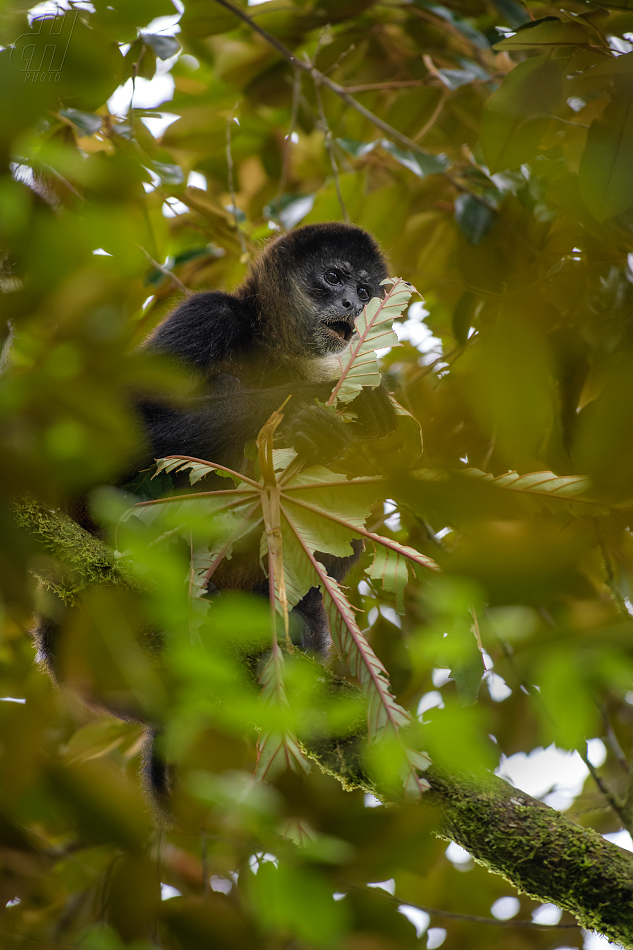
310,286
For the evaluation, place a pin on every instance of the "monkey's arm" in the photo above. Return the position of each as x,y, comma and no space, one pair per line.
205,330
218,425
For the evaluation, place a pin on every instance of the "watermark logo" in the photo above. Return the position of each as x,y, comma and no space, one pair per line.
40,53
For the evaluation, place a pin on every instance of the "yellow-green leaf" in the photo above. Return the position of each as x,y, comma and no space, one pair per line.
516,116
549,32
605,179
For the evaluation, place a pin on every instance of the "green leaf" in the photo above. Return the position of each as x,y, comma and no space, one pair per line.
357,149
163,46
418,163
605,178
277,751
454,78
391,570
463,315
359,366
296,900
537,483
473,217
202,18
475,36
514,13
516,116
548,32
169,174
86,122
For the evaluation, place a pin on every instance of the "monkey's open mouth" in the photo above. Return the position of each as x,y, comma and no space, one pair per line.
341,329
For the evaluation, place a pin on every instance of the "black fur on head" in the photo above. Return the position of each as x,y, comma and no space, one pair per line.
299,309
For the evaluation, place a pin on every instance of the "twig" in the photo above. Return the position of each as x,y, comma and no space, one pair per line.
436,114
165,270
445,25
204,860
328,145
285,168
452,915
229,162
490,449
610,574
337,62
615,804
447,358
135,68
612,739
477,634
345,96
393,84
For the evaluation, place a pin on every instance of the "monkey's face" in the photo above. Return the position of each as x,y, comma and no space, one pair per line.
311,284
338,292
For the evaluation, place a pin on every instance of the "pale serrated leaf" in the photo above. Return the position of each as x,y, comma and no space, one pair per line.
538,483
359,366
390,569
277,752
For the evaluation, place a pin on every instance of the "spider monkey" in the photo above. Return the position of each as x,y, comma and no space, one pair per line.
280,334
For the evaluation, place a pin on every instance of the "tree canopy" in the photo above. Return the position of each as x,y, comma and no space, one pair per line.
147,149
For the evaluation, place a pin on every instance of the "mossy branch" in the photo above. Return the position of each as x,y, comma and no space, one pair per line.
537,849
72,558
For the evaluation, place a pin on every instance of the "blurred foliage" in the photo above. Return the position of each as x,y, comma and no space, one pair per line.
505,195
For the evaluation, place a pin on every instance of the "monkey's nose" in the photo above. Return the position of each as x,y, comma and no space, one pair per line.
346,303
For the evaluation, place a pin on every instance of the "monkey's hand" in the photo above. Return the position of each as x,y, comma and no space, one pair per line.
376,416
318,435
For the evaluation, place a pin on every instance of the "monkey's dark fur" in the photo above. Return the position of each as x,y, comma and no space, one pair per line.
278,335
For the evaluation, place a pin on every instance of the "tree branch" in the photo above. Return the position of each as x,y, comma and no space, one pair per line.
541,852
340,91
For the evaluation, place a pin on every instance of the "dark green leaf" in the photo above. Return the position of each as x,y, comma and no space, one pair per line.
357,149
462,316
86,122
514,13
550,31
163,46
420,164
473,217
202,18
605,177
475,36
516,115
169,174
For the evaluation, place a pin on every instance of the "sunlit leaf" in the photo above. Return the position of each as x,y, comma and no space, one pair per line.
374,326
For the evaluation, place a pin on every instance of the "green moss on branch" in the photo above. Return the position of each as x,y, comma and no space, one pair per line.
74,558
538,850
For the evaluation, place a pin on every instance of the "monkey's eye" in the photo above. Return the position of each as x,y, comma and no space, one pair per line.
363,293
332,277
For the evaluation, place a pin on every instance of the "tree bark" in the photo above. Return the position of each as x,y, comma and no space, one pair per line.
537,849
